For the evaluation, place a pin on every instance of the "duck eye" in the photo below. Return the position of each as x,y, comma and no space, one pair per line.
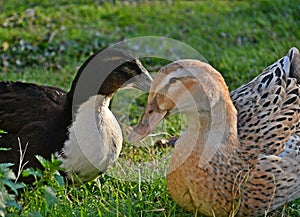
172,80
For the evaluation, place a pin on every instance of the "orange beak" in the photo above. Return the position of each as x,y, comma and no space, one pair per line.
151,118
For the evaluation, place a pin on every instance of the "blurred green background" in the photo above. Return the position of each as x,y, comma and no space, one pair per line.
239,38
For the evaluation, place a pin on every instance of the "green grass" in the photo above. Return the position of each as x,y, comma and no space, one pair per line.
47,44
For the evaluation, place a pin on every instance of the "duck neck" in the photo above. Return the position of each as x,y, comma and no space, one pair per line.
209,132
84,145
216,130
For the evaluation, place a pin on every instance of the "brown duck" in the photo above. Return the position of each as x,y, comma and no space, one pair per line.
240,152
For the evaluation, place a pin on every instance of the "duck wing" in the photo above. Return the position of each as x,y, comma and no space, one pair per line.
24,103
30,114
268,109
268,130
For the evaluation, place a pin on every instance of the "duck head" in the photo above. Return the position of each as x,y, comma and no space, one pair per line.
129,72
107,71
188,86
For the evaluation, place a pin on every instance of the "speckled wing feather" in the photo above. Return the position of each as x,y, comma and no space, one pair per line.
268,124
24,103
268,109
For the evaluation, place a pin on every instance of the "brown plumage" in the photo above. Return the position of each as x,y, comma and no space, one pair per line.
240,152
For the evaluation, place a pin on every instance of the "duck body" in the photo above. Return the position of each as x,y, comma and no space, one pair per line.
32,113
240,152
81,131
82,152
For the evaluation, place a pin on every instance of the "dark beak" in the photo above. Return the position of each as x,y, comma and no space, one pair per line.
142,80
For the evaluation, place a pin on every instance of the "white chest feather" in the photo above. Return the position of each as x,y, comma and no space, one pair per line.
95,140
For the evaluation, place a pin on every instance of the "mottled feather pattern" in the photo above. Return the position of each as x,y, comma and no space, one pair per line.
268,110
268,123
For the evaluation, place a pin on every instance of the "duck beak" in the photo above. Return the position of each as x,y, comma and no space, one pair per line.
143,81
151,118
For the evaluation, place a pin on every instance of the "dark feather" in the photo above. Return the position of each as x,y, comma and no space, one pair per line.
41,115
